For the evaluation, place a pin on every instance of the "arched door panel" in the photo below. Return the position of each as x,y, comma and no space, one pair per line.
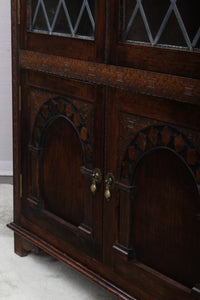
62,184
154,207
62,160
165,228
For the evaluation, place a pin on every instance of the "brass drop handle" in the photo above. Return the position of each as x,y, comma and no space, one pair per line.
109,181
96,179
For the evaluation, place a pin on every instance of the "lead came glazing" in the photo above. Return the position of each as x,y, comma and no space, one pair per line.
168,22
73,18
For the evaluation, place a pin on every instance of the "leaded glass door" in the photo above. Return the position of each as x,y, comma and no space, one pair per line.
161,23
68,18
63,27
157,35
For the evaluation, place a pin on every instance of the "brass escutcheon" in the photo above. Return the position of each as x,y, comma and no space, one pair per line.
96,179
109,181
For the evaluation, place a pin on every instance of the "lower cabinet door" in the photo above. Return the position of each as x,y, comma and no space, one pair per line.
153,212
61,149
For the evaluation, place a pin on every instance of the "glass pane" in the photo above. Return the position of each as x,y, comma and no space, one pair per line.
73,18
168,22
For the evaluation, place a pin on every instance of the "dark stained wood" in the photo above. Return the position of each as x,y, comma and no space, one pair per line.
144,82
16,113
104,274
157,285
62,195
47,150
130,135
64,46
149,106
196,291
47,247
22,246
159,60
113,36
100,30
63,86
173,248
129,110
80,48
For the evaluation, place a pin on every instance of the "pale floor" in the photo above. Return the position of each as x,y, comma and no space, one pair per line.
37,277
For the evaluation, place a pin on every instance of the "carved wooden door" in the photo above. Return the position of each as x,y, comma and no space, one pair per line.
60,124
153,149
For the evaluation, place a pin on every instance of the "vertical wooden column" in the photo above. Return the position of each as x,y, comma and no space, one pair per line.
124,246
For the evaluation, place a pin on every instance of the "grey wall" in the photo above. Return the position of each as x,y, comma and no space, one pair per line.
5,90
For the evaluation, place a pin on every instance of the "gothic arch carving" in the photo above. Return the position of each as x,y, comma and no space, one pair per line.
154,137
52,109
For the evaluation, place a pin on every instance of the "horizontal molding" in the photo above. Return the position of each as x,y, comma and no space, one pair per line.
6,168
139,81
51,250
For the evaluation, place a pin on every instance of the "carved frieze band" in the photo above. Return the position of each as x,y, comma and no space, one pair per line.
145,82
53,109
153,137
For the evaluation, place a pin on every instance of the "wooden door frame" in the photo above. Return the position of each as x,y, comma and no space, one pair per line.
85,49
157,59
